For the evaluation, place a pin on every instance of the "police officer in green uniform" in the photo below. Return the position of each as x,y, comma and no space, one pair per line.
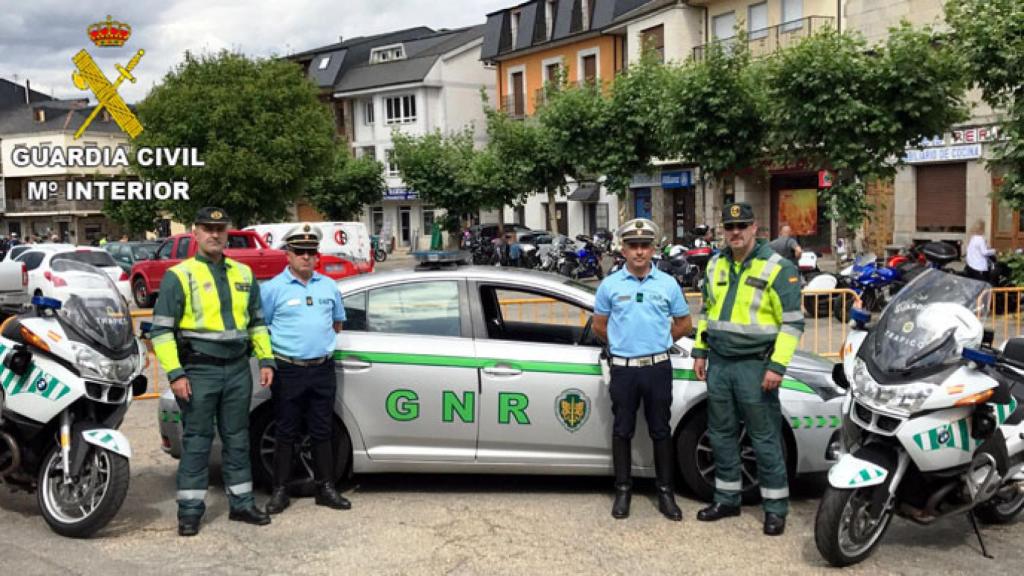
751,328
640,311
207,322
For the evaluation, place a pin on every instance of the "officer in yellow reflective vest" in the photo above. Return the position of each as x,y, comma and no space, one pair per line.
751,328
207,322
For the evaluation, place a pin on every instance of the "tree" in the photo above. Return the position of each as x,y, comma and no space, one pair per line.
351,184
634,122
439,168
713,112
257,125
135,216
990,35
833,104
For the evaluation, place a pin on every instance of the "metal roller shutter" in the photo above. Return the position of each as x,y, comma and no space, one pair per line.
942,198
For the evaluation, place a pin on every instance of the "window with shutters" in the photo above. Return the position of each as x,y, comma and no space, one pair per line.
654,39
942,198
757,21
724,26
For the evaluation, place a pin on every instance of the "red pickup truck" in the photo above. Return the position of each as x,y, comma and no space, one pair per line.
244,246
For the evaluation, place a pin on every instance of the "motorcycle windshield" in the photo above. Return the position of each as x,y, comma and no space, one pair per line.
95,308
909,337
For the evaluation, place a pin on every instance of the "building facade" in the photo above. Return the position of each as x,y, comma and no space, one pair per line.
416,82
51,124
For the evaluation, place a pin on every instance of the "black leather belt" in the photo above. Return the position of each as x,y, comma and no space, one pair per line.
299,362
200,358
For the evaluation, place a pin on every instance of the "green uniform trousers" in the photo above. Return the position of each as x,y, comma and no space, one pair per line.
221,396
735,398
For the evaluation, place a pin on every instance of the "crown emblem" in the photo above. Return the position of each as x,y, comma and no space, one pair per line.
109,33
305,228
735,211
216,214
639,225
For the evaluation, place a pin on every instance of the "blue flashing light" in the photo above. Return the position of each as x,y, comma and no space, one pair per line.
860,317
44,302
979,357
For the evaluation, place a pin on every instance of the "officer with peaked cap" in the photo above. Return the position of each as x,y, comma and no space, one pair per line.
304,311
750,330
206,320
640,311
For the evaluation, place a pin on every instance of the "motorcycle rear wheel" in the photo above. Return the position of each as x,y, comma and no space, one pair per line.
844,531
80,509
999,510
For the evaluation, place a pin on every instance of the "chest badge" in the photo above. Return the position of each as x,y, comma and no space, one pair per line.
639,296
309,300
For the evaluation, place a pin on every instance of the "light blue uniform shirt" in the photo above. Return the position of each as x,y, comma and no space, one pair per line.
301,318
640,311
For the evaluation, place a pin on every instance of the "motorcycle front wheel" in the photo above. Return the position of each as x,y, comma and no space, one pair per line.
845,531
85,505
380,255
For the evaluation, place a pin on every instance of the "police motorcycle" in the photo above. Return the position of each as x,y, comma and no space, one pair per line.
70,369
933,424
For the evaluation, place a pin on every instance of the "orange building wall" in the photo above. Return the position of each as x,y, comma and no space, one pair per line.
607,65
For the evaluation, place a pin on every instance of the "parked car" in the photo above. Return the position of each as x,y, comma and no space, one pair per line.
490,231
479,370
245,246
43,282
346,240
127,254
13,287
20,249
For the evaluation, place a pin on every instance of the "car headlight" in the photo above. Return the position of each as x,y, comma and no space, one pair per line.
902,399
96,365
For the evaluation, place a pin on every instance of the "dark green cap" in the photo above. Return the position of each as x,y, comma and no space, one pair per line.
737,212
212,215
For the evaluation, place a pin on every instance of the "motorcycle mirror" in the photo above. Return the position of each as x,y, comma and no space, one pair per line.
18,361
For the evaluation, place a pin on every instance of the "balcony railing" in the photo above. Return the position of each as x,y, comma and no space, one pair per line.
514,107
57,204
774,38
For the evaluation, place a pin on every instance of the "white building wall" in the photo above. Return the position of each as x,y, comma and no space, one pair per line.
684,30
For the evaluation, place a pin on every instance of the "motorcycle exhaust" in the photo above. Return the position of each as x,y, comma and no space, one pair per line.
12,446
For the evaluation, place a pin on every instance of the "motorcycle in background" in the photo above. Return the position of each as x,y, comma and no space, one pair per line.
70,370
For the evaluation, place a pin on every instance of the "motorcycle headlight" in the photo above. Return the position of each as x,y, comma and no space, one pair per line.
95,365
901,399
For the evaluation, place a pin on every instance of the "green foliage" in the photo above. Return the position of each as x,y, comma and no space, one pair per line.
713,112
439,168
573,123
351,184
633,132
136,216
258,127
833,104
990,36
1015,263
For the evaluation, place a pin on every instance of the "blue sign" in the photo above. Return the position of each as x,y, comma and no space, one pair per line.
401,193
947,154
677,179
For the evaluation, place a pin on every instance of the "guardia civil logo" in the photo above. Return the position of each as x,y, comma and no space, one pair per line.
573,409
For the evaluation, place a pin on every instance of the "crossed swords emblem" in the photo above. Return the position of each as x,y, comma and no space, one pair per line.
90,77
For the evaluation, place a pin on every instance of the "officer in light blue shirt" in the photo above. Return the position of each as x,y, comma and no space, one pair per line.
640,311
304,311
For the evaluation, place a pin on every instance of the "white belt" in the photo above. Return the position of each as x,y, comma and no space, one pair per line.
640,361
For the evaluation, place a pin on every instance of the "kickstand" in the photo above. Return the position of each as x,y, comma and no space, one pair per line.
981,542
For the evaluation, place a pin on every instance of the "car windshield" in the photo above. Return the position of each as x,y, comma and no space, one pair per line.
94,307
144,251
912,334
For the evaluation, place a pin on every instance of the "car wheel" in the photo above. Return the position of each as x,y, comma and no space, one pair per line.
141,295
263,441
696,462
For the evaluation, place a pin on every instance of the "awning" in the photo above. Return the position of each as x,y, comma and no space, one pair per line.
586,193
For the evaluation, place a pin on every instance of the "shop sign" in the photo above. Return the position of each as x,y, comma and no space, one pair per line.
400,193
641,180
975,135
677,179
945,154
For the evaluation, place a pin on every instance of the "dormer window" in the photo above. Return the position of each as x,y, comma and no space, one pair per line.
387,54
40,115
550,9
324,63
516,17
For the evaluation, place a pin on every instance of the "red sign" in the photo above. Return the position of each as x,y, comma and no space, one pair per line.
824,179
340,237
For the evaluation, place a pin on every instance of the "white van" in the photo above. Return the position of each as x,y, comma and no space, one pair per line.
348,240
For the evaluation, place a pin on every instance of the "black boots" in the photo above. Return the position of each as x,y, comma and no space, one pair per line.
251,515
717,511
774,525
279,500
663,480
623,473
323,465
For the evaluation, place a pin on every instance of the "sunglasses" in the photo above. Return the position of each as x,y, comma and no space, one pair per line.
736,226
304,251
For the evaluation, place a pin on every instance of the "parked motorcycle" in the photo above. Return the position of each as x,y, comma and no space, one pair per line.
379,253
674,262
582,263
933,424
872,283
70,370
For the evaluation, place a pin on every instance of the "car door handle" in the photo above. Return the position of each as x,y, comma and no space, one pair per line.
502,371
354,364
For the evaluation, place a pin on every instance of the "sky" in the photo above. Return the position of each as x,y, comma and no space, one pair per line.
38,38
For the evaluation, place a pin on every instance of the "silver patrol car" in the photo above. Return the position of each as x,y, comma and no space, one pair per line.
484,370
